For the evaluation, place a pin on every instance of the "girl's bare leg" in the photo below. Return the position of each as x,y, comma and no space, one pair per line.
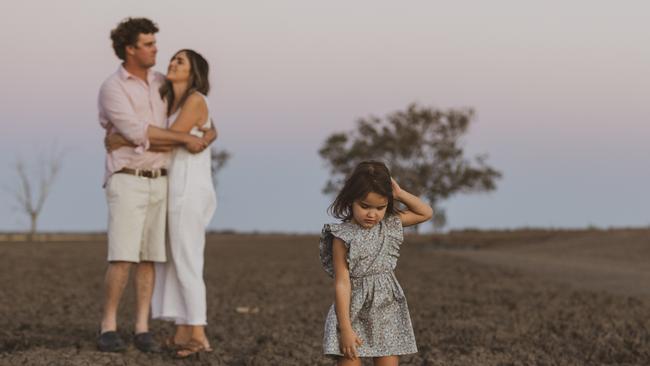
344,361
386,361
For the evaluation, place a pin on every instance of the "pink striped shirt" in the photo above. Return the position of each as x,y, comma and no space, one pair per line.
128,105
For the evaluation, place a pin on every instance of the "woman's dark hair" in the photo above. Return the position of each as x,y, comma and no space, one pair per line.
368,176
199,70
126,34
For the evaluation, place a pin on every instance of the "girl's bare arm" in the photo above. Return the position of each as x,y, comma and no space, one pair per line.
343,288
417,210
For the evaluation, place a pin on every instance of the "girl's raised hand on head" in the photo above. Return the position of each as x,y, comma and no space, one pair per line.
396,188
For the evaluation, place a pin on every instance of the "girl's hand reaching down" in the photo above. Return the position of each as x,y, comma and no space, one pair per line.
349,343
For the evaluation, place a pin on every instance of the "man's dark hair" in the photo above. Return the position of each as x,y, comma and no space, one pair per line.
126,34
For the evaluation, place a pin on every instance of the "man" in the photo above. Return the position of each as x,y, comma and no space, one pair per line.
136,177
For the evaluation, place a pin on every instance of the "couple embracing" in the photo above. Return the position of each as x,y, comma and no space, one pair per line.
157,182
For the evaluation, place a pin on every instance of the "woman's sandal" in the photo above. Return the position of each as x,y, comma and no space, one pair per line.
193,347
170,345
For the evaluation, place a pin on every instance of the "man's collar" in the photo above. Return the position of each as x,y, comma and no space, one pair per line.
124,74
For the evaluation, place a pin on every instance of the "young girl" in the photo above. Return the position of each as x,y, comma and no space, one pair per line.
369,317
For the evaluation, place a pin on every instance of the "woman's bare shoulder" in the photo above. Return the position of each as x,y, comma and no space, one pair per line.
196,100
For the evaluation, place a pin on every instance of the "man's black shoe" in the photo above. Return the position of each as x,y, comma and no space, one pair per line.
110,342
145,343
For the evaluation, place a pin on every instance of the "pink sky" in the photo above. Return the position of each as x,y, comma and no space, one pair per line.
560,89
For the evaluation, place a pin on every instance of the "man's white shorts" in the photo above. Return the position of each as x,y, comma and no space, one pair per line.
137,215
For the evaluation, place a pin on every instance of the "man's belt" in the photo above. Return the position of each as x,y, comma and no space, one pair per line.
153,173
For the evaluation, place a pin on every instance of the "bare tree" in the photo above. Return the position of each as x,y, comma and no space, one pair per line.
218,160
34,185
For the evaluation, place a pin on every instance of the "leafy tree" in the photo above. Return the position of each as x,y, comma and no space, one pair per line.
421,146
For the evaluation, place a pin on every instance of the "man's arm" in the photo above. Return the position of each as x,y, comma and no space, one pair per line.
210,134
168,137
116,140
161,148
116,111
169,141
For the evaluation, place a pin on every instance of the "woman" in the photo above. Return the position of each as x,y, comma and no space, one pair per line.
179,290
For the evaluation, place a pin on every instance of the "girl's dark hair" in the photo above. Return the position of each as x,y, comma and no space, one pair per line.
368,176
126,34
199,70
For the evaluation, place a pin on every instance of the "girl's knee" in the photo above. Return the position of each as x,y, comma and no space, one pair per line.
344,361
386,361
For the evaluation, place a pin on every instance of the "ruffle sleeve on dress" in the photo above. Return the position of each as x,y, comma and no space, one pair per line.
395,236
330,231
